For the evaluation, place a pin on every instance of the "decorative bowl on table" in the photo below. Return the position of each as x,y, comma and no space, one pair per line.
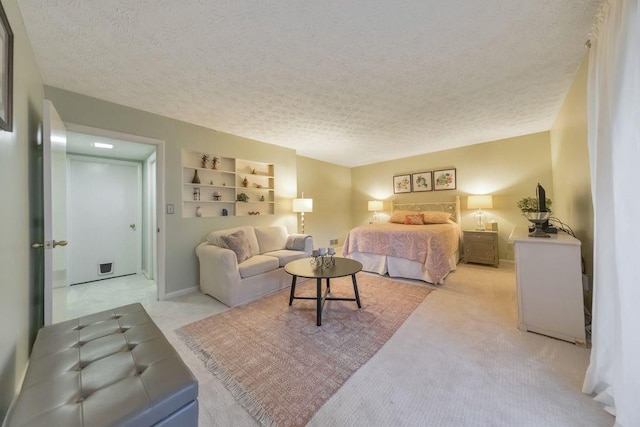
538,219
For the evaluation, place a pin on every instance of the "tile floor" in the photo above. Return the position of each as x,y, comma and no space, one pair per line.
79,300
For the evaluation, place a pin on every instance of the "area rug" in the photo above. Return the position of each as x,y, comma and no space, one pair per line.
279,365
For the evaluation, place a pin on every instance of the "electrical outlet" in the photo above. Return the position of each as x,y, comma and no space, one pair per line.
170,209
333,241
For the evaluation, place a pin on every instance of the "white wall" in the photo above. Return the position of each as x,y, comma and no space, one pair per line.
21,301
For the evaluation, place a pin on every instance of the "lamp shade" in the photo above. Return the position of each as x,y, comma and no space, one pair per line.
303,205
374,205
480,202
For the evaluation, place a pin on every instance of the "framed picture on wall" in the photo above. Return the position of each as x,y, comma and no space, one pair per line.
6,73
444,179
402,184
421,181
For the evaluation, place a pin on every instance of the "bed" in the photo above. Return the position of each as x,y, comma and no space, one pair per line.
422,252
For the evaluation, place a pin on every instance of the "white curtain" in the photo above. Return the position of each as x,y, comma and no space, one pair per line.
613,105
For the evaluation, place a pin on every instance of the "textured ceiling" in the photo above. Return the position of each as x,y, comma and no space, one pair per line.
347,82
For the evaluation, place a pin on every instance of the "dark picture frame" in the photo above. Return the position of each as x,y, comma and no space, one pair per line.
402,184
6,73
421,181
444,179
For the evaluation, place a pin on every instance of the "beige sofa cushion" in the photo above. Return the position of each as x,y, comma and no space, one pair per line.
271,238
285,255
257,264
214,237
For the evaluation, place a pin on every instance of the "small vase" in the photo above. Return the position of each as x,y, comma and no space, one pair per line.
196,178
204,163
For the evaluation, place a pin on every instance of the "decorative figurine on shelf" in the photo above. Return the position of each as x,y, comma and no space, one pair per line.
198,211
253,171
196,194
196,178
214,162
204,159
258,185
242,197
224,212
216,196
262,198
224,184
211,182
245,182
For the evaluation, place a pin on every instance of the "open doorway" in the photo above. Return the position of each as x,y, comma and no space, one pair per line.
111,175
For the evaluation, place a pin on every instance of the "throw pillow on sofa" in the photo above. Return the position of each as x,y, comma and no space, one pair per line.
239,244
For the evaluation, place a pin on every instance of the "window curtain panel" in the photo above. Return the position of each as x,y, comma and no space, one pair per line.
613,110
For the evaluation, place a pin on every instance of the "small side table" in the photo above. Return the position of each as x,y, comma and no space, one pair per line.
481,247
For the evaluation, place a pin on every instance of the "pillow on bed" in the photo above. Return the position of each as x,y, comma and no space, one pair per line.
239,244
414,219
435,217
398,216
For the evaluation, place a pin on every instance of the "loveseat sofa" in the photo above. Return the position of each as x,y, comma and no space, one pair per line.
242,264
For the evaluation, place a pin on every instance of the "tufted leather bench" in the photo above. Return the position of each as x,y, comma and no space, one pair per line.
113,368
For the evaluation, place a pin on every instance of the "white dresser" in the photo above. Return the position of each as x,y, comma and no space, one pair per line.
549,285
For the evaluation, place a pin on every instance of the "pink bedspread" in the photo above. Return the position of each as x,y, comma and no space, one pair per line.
431,245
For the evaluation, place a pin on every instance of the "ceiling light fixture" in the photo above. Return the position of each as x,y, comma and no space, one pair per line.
102,145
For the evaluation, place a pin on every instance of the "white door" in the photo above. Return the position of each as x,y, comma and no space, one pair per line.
104,217
54,147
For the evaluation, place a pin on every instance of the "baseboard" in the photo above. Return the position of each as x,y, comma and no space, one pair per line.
181,292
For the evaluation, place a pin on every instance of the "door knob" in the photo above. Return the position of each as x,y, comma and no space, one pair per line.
60,243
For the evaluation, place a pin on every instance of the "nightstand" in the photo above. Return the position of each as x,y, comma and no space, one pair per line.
481,247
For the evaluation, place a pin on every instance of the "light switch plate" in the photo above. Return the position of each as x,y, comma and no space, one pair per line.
170,209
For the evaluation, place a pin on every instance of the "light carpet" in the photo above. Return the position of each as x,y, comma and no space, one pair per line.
279,365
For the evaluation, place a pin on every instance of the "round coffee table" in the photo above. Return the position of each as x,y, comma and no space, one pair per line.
342,267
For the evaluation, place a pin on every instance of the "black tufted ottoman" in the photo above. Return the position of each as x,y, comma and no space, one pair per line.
113,368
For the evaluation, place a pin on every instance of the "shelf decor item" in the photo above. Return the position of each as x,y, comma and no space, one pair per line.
196,178
204,159
245,182
214,162
242,197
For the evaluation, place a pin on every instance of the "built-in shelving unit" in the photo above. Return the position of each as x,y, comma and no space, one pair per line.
219,188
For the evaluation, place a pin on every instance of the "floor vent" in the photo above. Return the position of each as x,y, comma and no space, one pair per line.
105,268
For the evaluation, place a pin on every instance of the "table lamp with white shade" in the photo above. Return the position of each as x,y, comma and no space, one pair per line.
480,202
374,206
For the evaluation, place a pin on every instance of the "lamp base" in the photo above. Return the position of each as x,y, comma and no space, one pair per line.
479,220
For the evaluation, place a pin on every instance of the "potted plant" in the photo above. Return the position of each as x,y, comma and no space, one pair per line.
242,197
204,159
530,204
214,162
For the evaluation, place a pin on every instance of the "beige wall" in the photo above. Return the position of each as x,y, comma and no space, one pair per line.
183,234
508,169
18,304
570,164
329,186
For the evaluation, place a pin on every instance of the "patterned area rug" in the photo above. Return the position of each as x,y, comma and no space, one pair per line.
279,365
